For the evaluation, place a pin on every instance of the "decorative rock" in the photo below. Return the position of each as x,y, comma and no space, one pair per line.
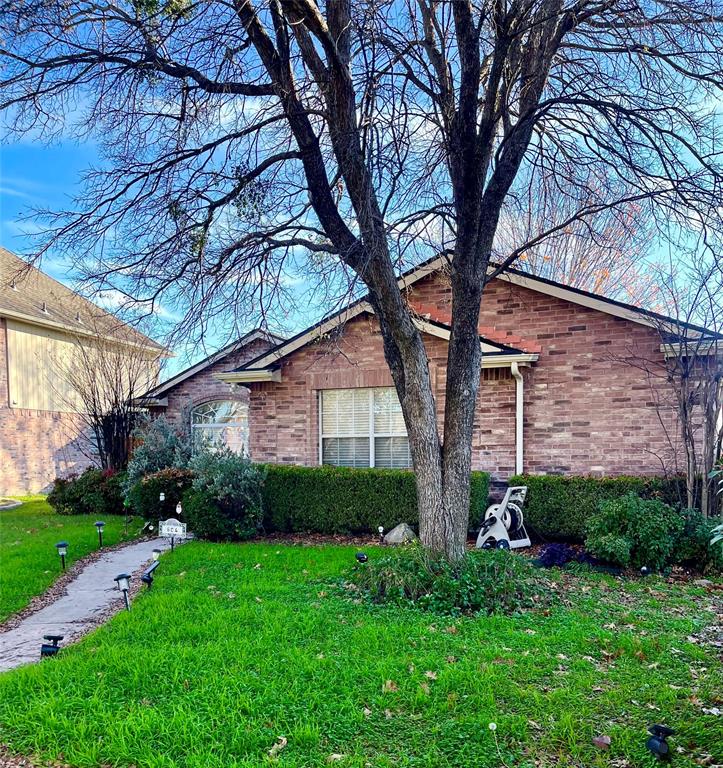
703,583
402,534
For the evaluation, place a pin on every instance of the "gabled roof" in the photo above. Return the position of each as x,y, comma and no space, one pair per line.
269,360
30,296
254,335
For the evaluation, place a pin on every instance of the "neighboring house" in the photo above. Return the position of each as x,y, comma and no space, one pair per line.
562,389
41,325
198,400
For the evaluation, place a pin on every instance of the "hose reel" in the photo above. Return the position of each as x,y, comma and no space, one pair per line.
503,526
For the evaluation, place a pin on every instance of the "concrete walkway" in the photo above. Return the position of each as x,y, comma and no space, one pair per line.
88,600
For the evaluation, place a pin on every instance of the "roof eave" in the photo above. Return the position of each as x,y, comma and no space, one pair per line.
85,333
254,376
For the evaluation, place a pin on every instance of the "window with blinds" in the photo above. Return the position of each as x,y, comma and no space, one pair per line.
363,428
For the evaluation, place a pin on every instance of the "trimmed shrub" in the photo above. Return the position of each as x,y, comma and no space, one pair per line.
631,531
225,501
95,492
695,548
558,507
144,496
483,581
340,500
159,445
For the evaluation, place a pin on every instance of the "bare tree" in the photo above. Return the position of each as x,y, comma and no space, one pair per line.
610,255
243,137
687,383
101,378
694,374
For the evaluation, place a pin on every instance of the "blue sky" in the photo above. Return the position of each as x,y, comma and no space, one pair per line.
37,176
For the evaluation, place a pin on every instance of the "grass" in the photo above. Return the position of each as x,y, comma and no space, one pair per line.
240,647
30,561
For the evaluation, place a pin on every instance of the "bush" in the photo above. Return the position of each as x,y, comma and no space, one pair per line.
225,501
559,507
341,500
695,548
484,581
631,531
94,492
159,445
144,496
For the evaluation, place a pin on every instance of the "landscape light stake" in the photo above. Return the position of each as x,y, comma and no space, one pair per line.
381,533
51,648
99,525
123,582
657,743
62,547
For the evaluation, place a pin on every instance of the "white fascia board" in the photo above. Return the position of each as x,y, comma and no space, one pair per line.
444,333
214,358
590,302
151,402
505,361
248,377
314,334
693,349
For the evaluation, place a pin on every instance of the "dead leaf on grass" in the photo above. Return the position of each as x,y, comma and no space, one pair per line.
281,742
602,742
390,686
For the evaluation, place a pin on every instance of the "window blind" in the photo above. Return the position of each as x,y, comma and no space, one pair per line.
363,428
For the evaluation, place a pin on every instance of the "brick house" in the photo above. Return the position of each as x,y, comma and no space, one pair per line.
197,399
561,390
41,323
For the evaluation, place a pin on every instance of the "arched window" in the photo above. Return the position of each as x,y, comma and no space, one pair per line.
221,422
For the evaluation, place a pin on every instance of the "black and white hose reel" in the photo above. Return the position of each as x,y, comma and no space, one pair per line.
503,526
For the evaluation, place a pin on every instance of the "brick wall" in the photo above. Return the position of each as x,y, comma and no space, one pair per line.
587,408
35,446
284,415
203,387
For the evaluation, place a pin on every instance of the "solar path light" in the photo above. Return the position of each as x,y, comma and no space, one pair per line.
361,557
658,741
161,497
156,555
147,577
62,547
99,525
50,648
380,530
179,509
123,581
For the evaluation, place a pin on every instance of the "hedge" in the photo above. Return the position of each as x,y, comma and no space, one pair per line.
340,500
558,507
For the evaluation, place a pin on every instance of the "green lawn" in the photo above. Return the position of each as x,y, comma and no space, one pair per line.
238,646
29,561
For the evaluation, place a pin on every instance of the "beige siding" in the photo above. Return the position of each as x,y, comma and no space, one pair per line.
36,359
40,362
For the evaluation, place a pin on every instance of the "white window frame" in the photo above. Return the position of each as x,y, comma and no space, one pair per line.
371,434
219,426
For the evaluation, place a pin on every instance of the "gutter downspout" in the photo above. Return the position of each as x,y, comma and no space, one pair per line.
519,418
